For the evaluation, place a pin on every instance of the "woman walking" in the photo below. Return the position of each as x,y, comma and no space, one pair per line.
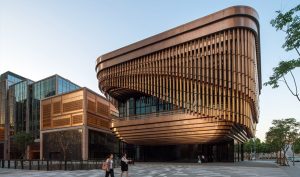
124,165
110,169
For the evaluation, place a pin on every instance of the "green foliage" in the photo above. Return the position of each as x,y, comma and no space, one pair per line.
289,23
282,69
297,146
260,147
22,140
283,133
265,148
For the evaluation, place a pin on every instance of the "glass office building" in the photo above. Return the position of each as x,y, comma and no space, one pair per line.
7,79
19,100
20,104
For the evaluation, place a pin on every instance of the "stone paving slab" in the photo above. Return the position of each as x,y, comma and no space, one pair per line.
160,170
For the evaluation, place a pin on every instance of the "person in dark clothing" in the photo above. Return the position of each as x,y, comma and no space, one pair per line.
124,165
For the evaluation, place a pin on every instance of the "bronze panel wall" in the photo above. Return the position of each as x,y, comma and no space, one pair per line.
68,110
62,111
212,71
98,112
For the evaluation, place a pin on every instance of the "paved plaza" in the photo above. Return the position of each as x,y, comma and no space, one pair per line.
168,169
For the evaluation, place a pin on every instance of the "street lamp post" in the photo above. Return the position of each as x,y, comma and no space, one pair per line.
293,154
254,148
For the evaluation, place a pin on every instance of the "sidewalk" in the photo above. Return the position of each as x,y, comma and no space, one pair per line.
249,169
292,171
256,163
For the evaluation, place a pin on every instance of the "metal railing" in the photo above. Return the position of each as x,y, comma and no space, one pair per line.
49,165
152,115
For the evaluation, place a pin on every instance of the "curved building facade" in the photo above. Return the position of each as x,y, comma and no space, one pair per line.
198,83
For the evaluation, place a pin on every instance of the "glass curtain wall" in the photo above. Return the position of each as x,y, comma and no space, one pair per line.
19,102
64,86
143,105
41,89
71,141
12,79
101,144
6,80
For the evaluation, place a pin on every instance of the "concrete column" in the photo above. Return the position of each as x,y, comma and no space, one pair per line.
27,110
6,142
85,139
41,146
6,122
138,152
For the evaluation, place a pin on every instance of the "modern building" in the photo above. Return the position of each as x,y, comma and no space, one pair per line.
20,108
7,79
192,90
76,125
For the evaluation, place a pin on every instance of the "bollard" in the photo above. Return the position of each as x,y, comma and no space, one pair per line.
65,165
22,165
29,164
8,164
38,164
3,163
16,164
47,165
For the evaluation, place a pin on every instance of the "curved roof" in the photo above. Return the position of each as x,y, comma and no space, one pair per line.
232,17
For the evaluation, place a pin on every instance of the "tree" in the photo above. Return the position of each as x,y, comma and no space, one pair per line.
282,134
297,146
289,23
257,145
22,140
265,148
252,144
65,139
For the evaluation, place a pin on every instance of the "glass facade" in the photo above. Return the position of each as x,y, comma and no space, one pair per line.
6,80
212,152
41,89
12,79
143,105
64,86
238,151
19,100
101,144
71,140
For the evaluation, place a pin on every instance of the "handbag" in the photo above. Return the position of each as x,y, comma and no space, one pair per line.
104,166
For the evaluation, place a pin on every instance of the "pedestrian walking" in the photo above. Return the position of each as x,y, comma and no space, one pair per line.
203,158
124,165
199,159
110,169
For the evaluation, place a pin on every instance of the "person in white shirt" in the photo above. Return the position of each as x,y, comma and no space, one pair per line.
110,169
124,165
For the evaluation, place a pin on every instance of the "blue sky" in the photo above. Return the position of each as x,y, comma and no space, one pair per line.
39,38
